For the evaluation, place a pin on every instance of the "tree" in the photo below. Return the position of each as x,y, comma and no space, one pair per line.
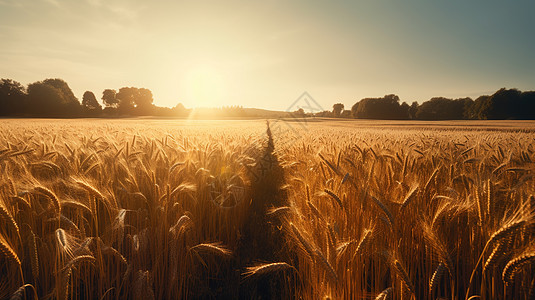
354,109
300,113
43,99
387,107
404,111
12,97
179,107
324,114
180,110
476,111
412,110
132,100
89,101
504,104
440,108
125,97
527,101
109,98
143,101
337,109
51,98
346,114
67,96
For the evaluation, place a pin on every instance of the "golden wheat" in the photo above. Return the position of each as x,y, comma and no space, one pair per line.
268,268
114,209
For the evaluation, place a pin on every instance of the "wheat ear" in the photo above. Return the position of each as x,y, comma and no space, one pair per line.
34,257
49,194
437,275
403,275
213,248
268,268
8,251
515,264
386,294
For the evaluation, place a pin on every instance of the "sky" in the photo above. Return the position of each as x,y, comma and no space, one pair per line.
265,54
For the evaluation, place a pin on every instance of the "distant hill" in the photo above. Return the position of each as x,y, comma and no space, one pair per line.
235,112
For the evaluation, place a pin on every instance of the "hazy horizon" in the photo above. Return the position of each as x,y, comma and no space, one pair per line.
265,55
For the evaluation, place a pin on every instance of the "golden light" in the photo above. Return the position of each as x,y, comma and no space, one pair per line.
205,86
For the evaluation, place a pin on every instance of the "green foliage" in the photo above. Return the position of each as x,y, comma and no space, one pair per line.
440,108
504,104
338,108
52,98
109,97
89,101
412,110
67,96
135,101
387,107
12,97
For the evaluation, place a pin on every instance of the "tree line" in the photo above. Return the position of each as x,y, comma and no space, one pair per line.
503,104
54,98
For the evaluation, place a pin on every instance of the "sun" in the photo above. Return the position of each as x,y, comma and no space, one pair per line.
205,87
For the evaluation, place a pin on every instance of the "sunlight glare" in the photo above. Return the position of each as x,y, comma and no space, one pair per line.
205,87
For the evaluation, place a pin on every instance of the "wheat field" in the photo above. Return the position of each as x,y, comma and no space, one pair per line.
163,209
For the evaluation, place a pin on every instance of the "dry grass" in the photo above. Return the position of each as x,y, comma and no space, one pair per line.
114,209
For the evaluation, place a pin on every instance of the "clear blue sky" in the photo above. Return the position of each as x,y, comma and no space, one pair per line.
265,54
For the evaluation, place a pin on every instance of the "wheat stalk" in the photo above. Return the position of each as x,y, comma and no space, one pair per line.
25,203
64,284
386,294
315,211
183,222
497,253
515,264
78,260
8,251
385,210
90,189
334,197
437,275
212,248
50,195
400,270
409,197
6,216
279,211
142,288
268,268
326,265
20,293
306,245
363,242
34,257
